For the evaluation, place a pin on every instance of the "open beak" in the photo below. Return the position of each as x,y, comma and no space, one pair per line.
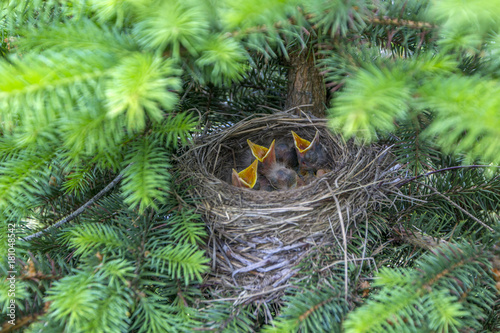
303,145
245,178
315,141
267,156
308,153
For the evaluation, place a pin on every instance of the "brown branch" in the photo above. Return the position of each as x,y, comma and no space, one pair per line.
80,210
311,310
39,276
458,207
21,322
385,20
418,239
443,170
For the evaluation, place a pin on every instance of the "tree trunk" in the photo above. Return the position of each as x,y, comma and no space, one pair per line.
305,84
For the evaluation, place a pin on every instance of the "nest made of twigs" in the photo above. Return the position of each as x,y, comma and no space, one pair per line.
258,237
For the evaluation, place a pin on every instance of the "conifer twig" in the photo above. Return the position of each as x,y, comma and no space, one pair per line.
79,210
458,207
20,322
443,170
420,239
385,20
401,23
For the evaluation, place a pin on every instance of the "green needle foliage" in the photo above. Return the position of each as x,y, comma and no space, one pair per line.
444,294
99,97
319,310
140,88
147,172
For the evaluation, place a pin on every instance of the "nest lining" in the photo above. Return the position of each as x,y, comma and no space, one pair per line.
258,237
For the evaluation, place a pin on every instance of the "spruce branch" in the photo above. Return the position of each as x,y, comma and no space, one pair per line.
93,77
146,182
458,207
443,170
386,20
427,297
20,322
80,210
419,239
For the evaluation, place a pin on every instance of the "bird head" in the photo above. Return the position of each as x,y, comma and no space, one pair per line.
247,177
281,178
267,156
310,155
285,153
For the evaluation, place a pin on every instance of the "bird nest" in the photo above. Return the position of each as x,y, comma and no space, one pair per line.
258,238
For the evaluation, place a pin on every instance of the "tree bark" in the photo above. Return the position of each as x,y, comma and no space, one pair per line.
305,84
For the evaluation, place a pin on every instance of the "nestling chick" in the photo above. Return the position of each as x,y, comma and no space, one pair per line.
282,178
285,154
263,184
277,174
246,178
311,155
243,159
264,155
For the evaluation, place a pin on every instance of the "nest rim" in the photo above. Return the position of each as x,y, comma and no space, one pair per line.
252,233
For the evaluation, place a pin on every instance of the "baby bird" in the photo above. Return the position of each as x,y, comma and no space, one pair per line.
279,177
264,155
285,154
246,178
263,184
310,155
